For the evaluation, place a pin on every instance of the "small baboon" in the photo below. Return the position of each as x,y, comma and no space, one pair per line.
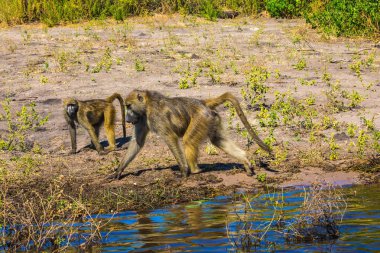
92,114
192,119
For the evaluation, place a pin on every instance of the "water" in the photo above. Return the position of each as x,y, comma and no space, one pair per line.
201,226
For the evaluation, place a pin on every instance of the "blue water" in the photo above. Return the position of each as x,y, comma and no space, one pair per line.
200,226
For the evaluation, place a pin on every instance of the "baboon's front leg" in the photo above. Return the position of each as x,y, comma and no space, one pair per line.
135,145
73,136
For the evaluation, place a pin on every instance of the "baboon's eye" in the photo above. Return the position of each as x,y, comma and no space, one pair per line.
128,106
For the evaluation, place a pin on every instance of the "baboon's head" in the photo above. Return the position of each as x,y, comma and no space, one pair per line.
71,106
135,104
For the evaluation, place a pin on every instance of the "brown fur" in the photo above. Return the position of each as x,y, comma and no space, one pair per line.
92,114
191,119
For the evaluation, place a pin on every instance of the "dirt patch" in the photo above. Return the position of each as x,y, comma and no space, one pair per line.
45,65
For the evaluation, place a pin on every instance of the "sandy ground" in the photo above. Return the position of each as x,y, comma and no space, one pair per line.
45,65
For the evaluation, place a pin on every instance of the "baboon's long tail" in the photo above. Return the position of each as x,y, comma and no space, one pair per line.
121,101
214,102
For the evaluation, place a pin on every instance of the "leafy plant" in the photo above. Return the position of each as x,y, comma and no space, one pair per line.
183,83
333,148
285,8
355,98
301,64
255,89
306,82
19,125
262,177
362,142
104,63
351,130
139,66
357,67
369,123
209,10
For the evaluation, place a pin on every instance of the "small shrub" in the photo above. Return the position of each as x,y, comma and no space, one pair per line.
139,66
105,62
209,10
333,148
306,82
255,90
351,130
262,177
19,125
183,83
369,123
301,64
362,143
354,98
285,8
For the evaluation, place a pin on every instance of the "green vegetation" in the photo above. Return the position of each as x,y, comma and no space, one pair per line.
139,66
335,17
285,8
20,124
350,17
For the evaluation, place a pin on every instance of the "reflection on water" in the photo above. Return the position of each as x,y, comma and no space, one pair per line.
201,227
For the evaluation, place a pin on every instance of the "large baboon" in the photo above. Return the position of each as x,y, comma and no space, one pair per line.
92,114
192,119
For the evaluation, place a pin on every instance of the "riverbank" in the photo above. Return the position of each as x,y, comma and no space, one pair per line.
313,99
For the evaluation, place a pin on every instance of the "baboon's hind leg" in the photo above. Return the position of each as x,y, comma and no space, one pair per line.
193,137
219,139
109,127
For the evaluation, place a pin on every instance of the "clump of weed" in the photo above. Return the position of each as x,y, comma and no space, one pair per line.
262,177
369,123
342,100
105,62
362,142
139,66
43,79
316,219
326,77
62,59
307,82
213,69
255,89
188,76
20,124
51,220
322,210
354,98
351,130
300,65
211,149
333,148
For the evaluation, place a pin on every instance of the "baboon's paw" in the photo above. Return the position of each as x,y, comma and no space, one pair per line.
250,173
114,176
197,171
